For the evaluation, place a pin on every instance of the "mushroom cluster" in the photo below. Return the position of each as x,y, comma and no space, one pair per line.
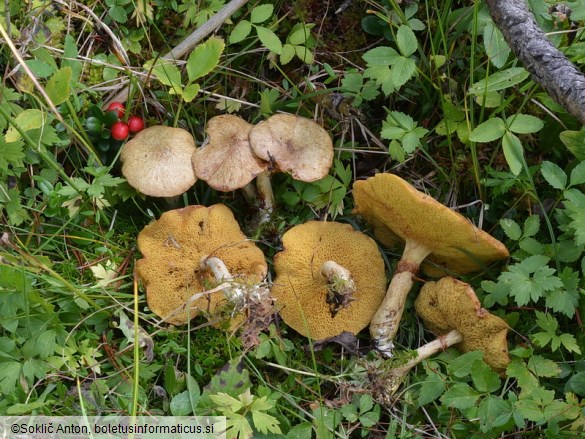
429,230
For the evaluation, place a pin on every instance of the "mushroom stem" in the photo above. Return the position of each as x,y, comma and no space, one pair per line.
384,324
217,267
265,195
441,343
341,287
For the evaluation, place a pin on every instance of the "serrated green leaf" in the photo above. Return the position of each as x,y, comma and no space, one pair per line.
261,13
460,396
181,405
299,34
578,174
204,58
576,384
575,142
531,226
40,68
167,73
484,378
265,423
58,87
269,39
493,412
565,299
495,45
304,54
462,365
288,53
406,41
9,376
430,389
11,154
499,81
240,32
380,56
570,343
513,152
402,70
511,228
554,175
530,410
488,131
543,367
525,124
27,120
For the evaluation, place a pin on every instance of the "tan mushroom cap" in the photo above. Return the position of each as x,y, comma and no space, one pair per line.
451,304
157,161
396,209
227,162
172,248
300,290
295,144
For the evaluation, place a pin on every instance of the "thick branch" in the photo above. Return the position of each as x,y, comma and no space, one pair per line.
548,66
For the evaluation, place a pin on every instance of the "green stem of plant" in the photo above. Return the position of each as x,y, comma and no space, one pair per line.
47,158
136,354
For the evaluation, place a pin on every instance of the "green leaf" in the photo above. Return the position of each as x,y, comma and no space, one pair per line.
11,154
181,404
493,412
406,41
525,124
543,367
288,53
204,58
575,142
499,81
565,299
265,423
495,45
484,378
269,39
430,389
554,175
70,57
462,365
402,70
513,152
460,396
118,13
576,384
299,34
241,31
578,174
261,13
167,73
488,131
531,226
300,431
511,228
304,54
27,120
40,68
380,56
58,87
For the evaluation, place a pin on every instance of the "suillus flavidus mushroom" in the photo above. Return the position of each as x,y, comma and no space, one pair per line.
226,162
427,228
452,311
175,270
291,144
329,279
157,161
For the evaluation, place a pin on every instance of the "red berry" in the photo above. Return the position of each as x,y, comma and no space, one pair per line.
135,124
120,131
118,107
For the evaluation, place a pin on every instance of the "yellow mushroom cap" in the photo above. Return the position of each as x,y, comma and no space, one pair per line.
172,248
300,290
451,304
395,209
296,145
157,161
227,162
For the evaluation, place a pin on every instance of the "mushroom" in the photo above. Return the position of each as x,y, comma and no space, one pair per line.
226,162
427,227
329,279
291,144
157,161
451,310
179,267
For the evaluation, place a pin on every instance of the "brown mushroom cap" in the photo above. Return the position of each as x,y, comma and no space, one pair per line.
395,208
227,162
157,161
451,304
300,289
295,144
172,248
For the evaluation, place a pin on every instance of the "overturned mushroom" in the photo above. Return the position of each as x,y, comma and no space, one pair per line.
291,144
427,228
176,270
157,161
329,279
451,310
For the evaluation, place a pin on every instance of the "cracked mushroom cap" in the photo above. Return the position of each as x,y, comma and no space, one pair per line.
295,144
451,304
157,161
395,209
227,162
301,290
172,248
